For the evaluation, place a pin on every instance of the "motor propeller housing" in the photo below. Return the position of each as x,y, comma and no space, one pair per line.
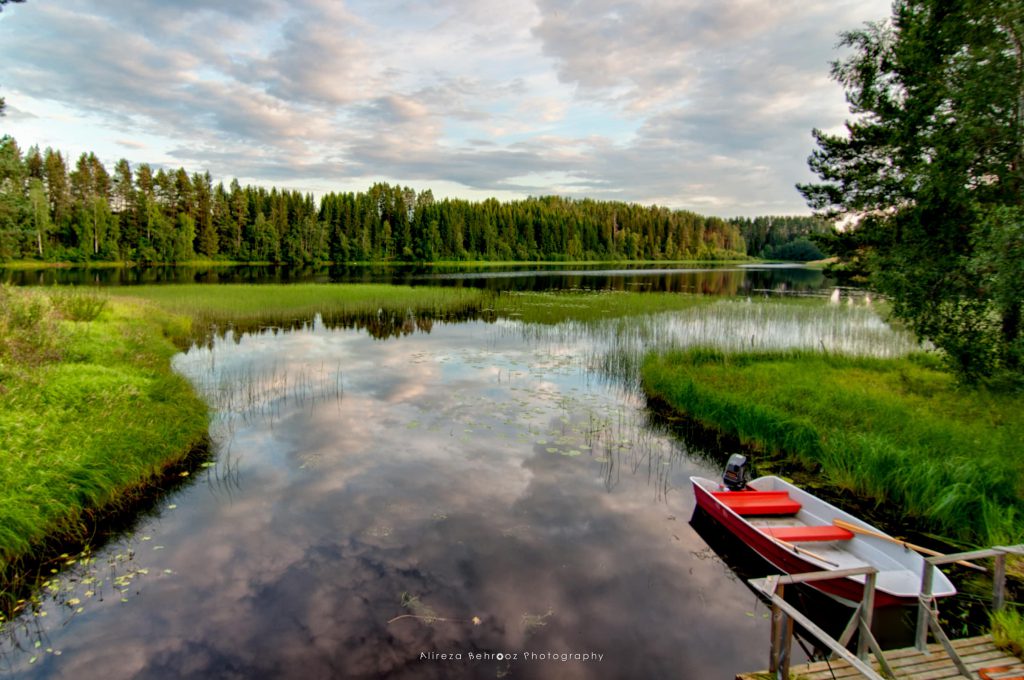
737,472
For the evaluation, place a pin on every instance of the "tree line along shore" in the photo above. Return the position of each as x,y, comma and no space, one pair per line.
52,213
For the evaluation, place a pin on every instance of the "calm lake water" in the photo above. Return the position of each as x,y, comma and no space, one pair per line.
465,472
470,489
713,280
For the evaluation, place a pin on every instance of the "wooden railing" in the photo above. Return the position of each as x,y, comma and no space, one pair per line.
784,614
927,610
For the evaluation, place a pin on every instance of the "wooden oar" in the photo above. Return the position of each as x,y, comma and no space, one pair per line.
797,549
927,551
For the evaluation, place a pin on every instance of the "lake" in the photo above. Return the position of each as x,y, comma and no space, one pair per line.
475,499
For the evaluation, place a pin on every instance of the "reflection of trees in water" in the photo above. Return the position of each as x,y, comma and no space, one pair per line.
382,324
709,281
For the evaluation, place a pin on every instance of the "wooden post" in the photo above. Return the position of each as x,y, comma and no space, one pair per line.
999,582
776,639
866,610
786,648
777,625
924,604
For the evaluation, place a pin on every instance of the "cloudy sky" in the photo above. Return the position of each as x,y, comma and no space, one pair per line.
699,104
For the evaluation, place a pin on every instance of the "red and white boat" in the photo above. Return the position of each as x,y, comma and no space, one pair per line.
794,531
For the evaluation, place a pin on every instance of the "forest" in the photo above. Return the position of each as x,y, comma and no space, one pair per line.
50,212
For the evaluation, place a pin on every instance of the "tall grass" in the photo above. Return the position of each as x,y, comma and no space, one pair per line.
83,426
1008,630
588,307
896,430
615,331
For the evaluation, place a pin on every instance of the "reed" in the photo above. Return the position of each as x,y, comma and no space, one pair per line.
589,306
900,431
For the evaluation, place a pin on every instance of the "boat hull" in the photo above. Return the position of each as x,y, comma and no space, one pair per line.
848,590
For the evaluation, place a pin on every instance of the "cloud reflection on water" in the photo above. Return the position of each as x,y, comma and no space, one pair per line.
429,475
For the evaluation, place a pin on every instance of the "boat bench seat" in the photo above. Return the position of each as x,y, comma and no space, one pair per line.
802,534
758,502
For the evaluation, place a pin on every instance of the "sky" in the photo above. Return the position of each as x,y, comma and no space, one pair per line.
704,105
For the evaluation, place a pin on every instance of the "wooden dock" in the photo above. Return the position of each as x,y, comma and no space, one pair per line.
979,654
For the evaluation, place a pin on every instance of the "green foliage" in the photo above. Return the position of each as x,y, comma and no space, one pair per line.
931,170
799,250
895,430
765,236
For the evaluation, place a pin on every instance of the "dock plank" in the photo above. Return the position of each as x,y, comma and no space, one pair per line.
977,653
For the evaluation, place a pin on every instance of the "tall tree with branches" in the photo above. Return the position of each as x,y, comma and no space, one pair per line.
930,173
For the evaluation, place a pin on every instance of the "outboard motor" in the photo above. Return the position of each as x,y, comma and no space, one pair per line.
737,473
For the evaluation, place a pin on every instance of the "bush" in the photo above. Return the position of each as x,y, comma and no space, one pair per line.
799,250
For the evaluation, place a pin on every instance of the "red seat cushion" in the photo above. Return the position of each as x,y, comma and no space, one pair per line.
826,532
758,502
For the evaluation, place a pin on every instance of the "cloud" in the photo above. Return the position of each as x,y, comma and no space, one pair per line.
686,102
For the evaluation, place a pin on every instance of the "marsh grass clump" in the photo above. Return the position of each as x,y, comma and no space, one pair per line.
589,306
1008,629
29,331
78,304
896,430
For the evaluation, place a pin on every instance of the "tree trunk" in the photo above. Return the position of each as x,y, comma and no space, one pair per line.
1011,333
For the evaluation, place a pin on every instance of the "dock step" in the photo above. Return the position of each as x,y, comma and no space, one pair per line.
979,654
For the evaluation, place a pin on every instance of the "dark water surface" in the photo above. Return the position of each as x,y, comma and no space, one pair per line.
477,481
706,279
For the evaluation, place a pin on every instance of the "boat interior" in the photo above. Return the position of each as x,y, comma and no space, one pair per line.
794,517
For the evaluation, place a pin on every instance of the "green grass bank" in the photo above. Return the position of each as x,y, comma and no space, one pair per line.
248,305
90,412
243,304
899,431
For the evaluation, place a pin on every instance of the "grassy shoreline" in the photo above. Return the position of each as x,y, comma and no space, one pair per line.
243,307
899,431
90,415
